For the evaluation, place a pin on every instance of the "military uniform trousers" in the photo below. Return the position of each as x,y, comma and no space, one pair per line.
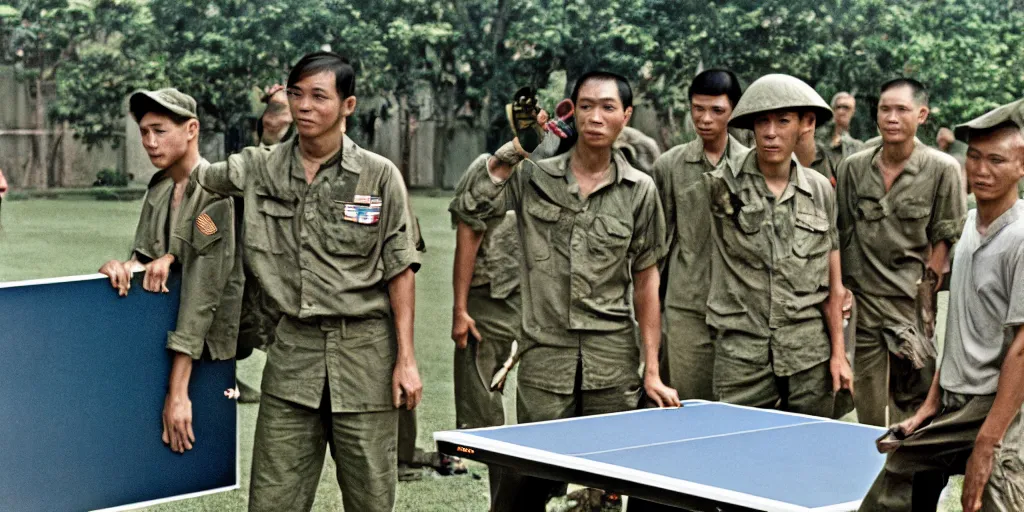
689,353
884,381
520,493
499,322
915,474
741,382
291,438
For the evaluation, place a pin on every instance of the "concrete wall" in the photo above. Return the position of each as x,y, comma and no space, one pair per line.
19,153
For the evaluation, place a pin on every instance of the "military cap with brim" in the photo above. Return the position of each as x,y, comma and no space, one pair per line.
1009,113
778,92
170,99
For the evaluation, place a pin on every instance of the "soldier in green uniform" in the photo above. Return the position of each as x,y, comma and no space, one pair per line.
197,226
900,210
813,154
838,141
329,236
775,304
971,422
590,225
689,354
487,315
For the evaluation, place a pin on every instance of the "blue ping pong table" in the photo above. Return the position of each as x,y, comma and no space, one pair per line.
702,456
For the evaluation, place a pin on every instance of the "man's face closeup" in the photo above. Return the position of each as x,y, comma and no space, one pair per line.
3,185
600,116
843,111
995,163
899,115
315,104
165,141
710,115
776,134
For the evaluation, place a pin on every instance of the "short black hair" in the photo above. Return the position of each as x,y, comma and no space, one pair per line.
716,82
142,105
625,90
318,62
917,89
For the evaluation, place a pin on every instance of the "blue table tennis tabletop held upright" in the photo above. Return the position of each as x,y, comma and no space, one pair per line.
702,456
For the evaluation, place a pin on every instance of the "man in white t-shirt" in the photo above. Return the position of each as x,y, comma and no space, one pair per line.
971,421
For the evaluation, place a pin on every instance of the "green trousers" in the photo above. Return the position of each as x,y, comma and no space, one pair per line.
889,389
288,456
806,392
915,474
499,322
689,353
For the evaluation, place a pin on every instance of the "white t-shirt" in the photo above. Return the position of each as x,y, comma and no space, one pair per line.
986,303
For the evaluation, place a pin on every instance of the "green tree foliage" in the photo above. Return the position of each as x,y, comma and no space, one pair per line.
475,52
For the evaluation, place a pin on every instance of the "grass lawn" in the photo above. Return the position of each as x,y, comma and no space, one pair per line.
48,238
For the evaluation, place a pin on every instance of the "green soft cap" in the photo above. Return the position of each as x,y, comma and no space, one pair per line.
1009,113
170,98
778,92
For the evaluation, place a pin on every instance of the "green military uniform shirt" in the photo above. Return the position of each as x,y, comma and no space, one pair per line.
500,254
324,252
770,266
580,255
686,273
846,146
203,241
823,163
640,150
887,236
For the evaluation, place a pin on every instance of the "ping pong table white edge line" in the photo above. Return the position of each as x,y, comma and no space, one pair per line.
150,503
713,436
689,403
632,475
52,280
839,507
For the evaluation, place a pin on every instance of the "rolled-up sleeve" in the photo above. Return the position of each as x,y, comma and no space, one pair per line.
479,198
229,178
398,248
949,212
648,245
207,264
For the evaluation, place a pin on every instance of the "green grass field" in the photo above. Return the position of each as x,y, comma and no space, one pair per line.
49,238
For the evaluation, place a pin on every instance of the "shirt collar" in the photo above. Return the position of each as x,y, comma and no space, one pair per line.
299,170
694,153
559,167
1013,214
913,165
797,175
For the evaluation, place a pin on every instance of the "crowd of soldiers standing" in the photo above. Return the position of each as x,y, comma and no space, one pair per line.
793,274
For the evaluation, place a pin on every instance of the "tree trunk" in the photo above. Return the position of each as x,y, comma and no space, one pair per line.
43,147
65,145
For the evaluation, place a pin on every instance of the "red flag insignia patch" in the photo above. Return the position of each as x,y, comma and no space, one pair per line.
206,225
